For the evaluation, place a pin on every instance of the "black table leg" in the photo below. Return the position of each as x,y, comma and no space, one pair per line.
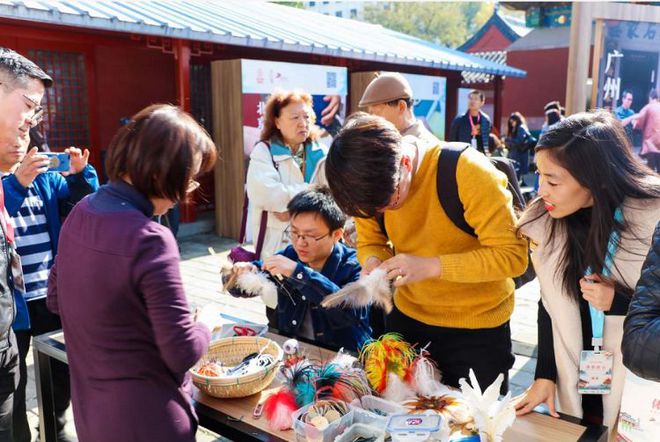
45,397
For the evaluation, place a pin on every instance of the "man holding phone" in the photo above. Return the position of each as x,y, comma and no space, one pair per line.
33,197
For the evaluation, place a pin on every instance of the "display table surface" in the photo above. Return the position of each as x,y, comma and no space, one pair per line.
233,418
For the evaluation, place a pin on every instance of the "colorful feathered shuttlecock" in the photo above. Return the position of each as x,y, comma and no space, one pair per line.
335,382
389,354
373,289
279,409
250,285
492,416
396,390
298,379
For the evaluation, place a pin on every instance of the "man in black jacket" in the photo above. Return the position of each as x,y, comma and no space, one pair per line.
474,126
641,338
22,86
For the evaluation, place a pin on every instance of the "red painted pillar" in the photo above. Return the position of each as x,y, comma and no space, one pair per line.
497,105
182,76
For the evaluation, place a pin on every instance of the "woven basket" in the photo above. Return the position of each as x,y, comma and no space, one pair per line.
231,351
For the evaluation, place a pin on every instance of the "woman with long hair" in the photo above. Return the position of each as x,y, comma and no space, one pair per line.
518,141
285,162
590,228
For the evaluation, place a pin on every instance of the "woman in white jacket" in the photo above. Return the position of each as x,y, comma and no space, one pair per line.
592,227
285,162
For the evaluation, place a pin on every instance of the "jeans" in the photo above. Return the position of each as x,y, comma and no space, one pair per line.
43,321
8,381
457,350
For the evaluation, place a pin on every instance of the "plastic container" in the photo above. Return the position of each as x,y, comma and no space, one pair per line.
309,433
361,430
366,415
413,427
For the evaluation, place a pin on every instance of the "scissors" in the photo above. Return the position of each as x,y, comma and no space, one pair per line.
244,331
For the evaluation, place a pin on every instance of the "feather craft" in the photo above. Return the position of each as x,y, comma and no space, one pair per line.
492,416
279,409
389,354
250,285
373,289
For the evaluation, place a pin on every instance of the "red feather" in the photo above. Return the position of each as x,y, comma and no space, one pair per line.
279,408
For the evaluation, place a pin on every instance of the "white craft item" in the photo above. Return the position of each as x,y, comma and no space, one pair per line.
397,390
291,347
492,416
426,379
373,289
256,284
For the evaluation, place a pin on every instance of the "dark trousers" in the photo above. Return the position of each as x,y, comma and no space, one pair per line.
8,380
486,350
42,321
522,161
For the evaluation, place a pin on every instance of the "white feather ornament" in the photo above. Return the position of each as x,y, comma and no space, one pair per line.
397,390
372,289
492,416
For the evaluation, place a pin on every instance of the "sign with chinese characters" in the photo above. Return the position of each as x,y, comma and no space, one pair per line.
639,417
628,65
328,86
595,372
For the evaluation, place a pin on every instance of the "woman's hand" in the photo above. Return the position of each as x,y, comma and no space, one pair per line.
279,265
542,391
209,315
597,291
407,269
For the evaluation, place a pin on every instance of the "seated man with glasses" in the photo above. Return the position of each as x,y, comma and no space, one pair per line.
315,265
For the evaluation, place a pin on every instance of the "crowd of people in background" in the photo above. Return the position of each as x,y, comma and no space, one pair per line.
438,217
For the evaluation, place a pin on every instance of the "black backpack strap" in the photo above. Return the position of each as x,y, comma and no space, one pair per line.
447,186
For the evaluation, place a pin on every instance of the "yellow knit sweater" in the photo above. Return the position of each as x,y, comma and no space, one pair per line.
475,289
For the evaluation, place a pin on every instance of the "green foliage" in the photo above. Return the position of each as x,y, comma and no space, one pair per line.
446,23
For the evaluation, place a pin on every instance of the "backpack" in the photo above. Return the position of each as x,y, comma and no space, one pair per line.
447,190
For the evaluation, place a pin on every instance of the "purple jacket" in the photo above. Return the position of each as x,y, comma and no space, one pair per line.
129,336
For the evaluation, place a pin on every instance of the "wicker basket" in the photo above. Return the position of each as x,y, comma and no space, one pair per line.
231,351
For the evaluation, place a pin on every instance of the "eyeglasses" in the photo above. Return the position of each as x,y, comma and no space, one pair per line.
293,236
192,186
38,112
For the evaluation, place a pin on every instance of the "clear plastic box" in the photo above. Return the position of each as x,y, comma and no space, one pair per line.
309,433
363,430
365,415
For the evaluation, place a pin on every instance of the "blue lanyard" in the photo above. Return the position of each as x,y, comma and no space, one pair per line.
598,316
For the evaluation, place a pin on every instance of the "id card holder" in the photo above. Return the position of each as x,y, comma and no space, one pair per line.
17,271
473,142
595,372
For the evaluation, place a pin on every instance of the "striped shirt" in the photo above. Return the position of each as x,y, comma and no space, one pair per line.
33,245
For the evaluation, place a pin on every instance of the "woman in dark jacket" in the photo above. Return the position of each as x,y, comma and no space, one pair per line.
519,141
117,287
641,339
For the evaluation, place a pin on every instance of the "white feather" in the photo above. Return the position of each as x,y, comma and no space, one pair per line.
492,416
397,390
425,382
372,289
256,284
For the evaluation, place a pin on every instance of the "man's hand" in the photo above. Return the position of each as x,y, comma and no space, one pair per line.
32,165
329,112
407,269
370,265
279,265
79,160
598,292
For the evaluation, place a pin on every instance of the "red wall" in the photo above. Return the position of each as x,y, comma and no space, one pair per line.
492,40
127,80
545,81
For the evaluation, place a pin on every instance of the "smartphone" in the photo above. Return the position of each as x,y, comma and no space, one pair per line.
59,161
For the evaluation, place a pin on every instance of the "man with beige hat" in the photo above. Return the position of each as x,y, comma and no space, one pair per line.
390,96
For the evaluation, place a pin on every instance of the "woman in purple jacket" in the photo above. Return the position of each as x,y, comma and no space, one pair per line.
116,285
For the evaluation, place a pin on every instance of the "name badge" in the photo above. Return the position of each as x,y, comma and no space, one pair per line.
17,271
595,372
473,142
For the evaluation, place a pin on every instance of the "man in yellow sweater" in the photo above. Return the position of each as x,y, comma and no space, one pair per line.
453,290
